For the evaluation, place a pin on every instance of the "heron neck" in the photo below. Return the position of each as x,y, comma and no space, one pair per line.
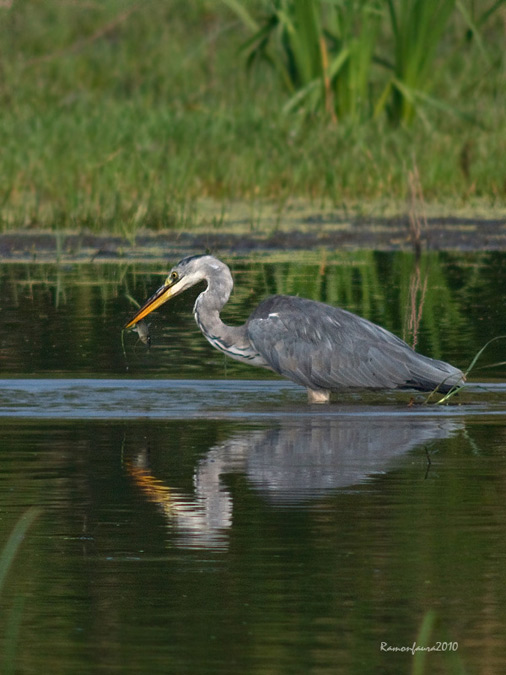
207,315
232,340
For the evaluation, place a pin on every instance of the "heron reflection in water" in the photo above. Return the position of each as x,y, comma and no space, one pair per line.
293,461
323,348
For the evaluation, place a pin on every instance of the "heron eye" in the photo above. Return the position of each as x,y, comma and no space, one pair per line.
174,276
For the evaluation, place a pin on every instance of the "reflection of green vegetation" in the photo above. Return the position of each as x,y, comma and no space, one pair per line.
68,318
363,283
440,313
314,586
96,132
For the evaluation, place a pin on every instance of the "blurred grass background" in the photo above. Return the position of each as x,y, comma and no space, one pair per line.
117,115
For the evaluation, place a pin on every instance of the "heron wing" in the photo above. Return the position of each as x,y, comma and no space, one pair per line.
319,346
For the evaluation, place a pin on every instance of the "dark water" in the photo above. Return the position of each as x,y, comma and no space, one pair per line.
66,320
196,516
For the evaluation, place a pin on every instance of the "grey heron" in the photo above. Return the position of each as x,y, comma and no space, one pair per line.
323,348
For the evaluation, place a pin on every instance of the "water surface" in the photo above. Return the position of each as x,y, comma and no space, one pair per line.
197,516
65,320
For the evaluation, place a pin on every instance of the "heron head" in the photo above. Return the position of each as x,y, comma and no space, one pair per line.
186,273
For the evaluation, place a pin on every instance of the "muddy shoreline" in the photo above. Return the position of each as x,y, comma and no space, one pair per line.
315,233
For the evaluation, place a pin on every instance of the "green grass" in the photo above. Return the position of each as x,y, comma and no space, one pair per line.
117,116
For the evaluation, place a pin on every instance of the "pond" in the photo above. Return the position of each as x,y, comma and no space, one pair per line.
195,515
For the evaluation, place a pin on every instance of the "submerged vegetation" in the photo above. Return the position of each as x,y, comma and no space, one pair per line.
120,115
10,619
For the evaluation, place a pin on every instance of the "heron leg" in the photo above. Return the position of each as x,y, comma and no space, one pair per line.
318,395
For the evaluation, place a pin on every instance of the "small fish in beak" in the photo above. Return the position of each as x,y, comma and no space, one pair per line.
142,330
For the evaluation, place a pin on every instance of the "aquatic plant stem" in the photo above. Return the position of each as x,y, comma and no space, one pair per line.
11,546
455,390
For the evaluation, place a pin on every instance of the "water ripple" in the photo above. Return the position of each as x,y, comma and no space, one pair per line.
223,399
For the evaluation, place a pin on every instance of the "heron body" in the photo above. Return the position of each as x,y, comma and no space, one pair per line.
323,348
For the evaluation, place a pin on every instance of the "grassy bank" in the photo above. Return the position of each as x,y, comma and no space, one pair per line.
116,116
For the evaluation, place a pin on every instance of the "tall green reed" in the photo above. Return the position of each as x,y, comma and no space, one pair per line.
417,27
356,58
322,52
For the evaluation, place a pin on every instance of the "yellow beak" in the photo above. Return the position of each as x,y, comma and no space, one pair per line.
164,293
